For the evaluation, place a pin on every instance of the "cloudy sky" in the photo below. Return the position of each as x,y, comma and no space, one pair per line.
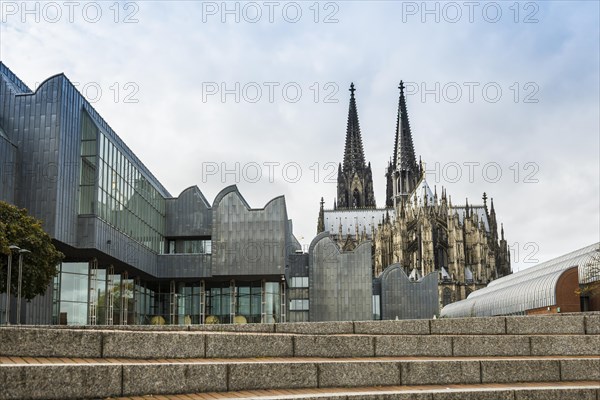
503,98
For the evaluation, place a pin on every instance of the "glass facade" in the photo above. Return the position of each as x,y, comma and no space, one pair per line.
143,304
376,307
197,246
191,246
81,297
112,188
299,305
227,300
89,165
72,288
84,294
244,302
189,304
299,282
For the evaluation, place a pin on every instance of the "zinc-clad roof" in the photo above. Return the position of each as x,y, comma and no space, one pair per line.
365,218
532,288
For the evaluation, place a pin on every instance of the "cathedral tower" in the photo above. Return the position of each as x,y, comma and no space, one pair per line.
403,173
355,180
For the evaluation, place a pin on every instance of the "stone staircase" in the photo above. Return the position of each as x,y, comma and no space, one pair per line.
516,358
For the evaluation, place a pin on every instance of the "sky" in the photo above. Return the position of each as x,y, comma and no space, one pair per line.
503,98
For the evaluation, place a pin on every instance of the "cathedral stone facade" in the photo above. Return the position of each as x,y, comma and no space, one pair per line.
422,232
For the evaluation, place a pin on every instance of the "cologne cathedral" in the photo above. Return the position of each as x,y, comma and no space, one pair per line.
418,228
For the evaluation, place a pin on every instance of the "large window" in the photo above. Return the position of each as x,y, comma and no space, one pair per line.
376,307
72,303
87,179
196,246
114,189
299,282
250,302
272,306
299,305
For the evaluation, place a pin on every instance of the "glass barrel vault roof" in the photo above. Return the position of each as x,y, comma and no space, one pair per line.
532,288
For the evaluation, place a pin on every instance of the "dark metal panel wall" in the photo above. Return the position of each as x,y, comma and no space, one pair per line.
30,121
340,282
93,233
405,299
181,266
245,241
39,310
188,215
8,159
297,265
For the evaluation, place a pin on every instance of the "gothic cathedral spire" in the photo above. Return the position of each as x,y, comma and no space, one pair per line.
355,180
403,172
321,220
354,157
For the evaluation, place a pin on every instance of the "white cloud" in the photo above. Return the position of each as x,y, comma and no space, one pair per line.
170,53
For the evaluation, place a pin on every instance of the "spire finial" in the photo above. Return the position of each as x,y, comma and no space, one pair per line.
354,156
404,152
321,219
484,198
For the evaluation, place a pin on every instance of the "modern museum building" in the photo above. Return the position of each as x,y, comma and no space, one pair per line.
134,254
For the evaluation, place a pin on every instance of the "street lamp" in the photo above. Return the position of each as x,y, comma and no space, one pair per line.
7,305
21,252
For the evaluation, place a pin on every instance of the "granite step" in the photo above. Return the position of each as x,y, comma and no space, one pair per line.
69,378
514,391
34,342
555,324
515,358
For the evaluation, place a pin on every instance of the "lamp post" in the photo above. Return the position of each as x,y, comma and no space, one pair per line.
21,252
7,310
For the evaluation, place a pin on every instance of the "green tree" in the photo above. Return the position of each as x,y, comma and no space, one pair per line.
590,285
39,267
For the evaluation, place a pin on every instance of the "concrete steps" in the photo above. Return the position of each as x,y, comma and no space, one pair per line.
512,358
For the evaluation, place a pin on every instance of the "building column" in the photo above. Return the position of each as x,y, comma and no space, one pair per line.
93,292
109,294
172,303
263,299
232,301
282,297
124,298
